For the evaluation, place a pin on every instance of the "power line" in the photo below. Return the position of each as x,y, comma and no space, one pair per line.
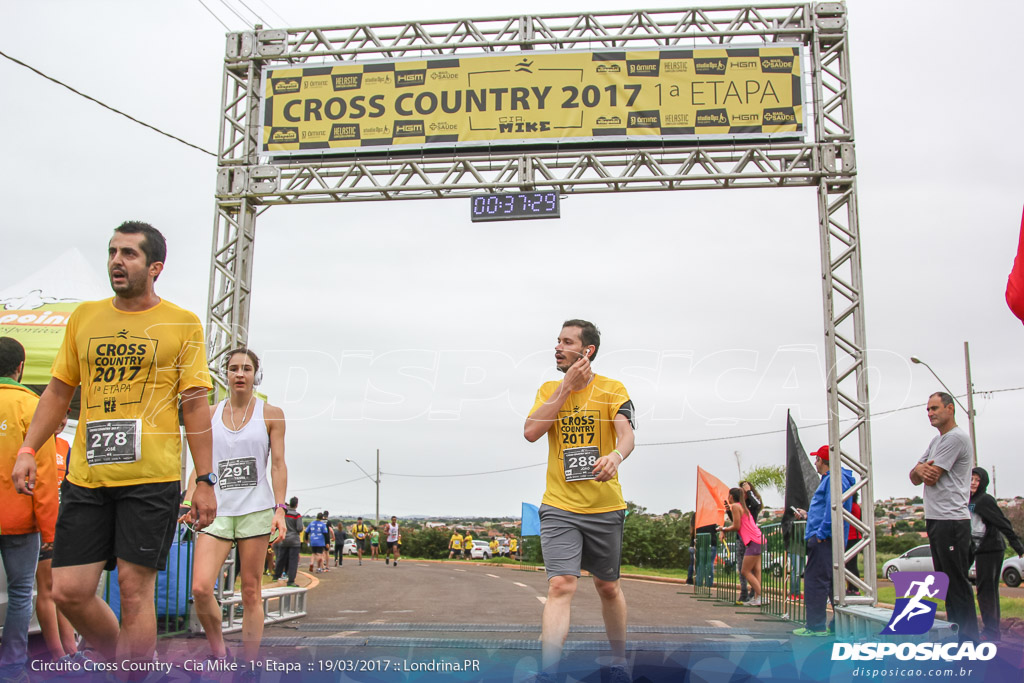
663,443
283,20
468,474
810,426
327,486
214,15
232,10
253,12
105,106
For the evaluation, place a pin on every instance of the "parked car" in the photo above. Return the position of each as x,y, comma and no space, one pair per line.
1013,568
917,559
349,547
481,550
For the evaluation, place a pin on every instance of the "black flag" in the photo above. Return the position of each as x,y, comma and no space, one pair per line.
801,478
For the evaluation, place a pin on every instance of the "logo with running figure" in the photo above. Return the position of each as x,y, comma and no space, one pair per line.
914,613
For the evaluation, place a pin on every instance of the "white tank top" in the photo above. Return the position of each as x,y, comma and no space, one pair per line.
392,533
240,461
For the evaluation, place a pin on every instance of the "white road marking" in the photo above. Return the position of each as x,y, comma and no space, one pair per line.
543,600
523,585
718,624
460,570
494,576
396,611
352,611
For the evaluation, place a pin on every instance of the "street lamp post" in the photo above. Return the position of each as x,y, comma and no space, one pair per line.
375,481
969,409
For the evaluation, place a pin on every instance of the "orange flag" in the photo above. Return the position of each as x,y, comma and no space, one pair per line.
711,493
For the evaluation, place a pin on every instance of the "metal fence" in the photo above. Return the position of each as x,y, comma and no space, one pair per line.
718,565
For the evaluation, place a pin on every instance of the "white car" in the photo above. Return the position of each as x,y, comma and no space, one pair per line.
349,547
481,550
917,559
1013,568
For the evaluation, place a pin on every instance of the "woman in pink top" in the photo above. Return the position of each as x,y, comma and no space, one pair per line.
752,540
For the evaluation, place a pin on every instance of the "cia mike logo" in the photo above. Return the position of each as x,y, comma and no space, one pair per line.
914,613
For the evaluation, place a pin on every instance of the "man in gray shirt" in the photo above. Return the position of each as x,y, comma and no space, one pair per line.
945,471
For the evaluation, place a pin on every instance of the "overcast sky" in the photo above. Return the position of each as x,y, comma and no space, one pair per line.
404,327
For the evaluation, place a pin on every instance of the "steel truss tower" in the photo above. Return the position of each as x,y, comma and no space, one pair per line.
248,184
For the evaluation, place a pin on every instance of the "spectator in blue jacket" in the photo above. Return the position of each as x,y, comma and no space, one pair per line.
818,573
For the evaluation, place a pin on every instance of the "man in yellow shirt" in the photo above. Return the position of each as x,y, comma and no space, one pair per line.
361,533
134,355
588,420
455,544
467,545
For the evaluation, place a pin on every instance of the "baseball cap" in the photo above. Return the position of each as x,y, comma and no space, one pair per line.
821,453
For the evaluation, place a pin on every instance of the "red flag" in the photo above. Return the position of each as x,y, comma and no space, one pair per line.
711,494
1015,283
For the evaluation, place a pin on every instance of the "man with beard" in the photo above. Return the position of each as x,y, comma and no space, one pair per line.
588,420
134,356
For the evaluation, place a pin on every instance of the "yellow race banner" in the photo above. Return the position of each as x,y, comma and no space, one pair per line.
534,98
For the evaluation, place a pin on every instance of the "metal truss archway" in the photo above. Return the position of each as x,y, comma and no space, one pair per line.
248,184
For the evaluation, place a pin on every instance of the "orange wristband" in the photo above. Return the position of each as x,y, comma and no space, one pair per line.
26,449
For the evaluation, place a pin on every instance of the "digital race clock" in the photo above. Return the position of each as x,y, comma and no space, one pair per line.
513,206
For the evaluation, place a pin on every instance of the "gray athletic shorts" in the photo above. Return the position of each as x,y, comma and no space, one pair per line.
571,541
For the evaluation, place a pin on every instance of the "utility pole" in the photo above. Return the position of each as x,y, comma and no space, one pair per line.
970,402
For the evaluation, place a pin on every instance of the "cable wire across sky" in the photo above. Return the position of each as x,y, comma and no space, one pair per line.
104,105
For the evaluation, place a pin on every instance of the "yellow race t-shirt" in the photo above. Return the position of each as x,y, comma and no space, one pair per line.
132,366
513,545
359,530
582,433
456,542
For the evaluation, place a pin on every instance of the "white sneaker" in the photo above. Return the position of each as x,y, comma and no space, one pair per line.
756,602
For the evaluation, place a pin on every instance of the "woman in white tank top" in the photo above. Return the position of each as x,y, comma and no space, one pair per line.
248,439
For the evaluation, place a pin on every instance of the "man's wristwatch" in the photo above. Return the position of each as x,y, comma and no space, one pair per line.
210,479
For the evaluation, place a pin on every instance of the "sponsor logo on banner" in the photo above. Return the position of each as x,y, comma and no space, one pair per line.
444,76
442,127
644,119
746,118
408,129
608,69
674,66
677,119
404,79
712,117
344,131
742,64
279,136
382,79
777,65
346,81
779,117
286,86
608,121
914,615
648,68
709,65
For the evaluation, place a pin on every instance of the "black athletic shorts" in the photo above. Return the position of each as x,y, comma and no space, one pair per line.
132,523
